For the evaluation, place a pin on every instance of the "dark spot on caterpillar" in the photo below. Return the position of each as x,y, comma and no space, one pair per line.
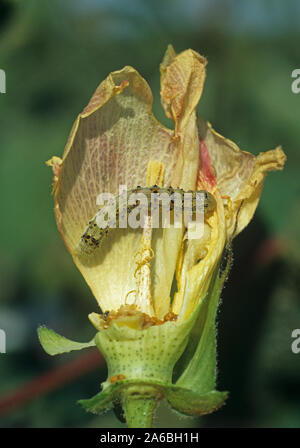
155,189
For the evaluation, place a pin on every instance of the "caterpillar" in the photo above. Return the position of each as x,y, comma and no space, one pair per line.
97,229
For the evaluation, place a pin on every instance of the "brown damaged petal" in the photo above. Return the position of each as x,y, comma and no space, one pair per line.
182,80
129,316
239,174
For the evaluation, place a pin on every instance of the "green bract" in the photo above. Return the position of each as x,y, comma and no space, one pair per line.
146,359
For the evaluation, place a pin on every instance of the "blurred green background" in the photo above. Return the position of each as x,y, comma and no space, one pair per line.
55,54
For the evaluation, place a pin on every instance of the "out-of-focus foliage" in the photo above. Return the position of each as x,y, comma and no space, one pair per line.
55,54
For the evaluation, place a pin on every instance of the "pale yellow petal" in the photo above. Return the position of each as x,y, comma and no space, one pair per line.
248,197
195,275
182,80
110,145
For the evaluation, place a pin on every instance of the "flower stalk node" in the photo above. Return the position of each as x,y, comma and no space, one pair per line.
139,403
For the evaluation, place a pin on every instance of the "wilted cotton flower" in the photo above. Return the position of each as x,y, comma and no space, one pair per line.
157,289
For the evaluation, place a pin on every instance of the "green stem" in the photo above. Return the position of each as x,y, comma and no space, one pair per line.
139,403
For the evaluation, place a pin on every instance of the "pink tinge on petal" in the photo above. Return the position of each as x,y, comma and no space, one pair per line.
206,176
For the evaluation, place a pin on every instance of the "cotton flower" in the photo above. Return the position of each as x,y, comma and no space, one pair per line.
157,289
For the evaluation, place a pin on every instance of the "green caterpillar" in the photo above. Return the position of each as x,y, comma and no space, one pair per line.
94,234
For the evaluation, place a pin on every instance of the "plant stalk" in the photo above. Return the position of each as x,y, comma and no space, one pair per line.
139,403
